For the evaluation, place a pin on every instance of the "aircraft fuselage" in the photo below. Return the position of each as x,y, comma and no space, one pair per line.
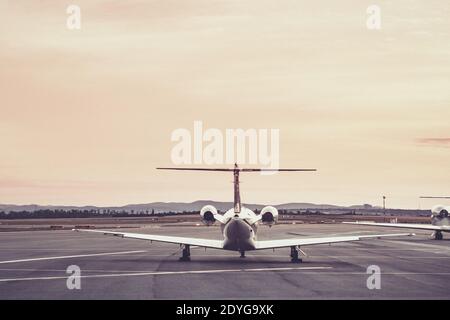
239,235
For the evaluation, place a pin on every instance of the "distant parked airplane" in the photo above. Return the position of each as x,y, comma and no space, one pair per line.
439,221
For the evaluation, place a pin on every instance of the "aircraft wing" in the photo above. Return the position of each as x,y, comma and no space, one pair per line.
207,243
403,225
271,244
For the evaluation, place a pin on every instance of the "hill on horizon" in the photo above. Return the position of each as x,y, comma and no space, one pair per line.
177,206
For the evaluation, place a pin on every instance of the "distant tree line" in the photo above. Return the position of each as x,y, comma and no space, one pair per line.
111,213
106,213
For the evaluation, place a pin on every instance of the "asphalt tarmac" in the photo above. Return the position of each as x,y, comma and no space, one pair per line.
33,265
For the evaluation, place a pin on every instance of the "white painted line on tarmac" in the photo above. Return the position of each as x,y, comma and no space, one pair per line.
309,270
159,273
74,256
421,246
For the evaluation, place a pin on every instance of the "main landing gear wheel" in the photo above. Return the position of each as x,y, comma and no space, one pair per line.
438,235
186,253
242,254
294,255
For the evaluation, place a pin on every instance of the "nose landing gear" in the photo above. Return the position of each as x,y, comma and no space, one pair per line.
242,254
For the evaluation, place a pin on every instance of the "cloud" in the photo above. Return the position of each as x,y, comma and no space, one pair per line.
440,142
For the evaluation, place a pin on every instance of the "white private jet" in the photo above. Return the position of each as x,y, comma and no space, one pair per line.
439,221
239,226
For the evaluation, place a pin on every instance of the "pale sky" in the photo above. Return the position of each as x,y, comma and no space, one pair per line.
86,115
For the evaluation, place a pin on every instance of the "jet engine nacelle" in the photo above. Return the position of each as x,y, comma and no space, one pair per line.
440,212
269,215
207,215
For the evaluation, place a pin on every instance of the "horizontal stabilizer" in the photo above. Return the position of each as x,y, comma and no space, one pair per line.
235,169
